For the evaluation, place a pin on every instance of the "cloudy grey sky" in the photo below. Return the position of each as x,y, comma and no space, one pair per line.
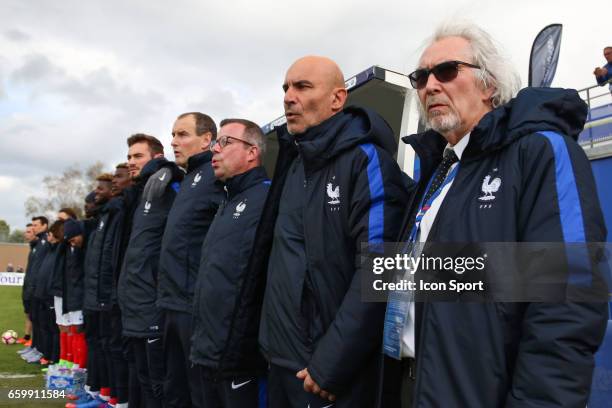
76,78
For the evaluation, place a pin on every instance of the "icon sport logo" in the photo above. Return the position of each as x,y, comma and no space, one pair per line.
147,207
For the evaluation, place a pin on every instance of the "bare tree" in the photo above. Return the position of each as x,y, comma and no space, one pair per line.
66,190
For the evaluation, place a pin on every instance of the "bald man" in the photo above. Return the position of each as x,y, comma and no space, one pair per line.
335,187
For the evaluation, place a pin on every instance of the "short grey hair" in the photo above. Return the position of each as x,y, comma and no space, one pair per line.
252,132
496,70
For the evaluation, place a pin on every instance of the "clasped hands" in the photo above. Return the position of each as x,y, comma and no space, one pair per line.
311,386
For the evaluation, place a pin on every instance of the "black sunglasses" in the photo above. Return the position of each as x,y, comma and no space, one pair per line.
444,72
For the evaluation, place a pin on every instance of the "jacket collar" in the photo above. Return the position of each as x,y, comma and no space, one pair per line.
241,182
151,168
197,160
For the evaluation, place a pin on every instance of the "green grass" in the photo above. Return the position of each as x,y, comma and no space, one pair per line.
12,317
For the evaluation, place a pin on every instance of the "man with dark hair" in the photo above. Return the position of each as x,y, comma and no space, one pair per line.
48,343
90,205
44,292
31,304
228,293
30,238
111,341
188,221
336,186
97,265
59,291
142,148
65,213
121,179
142,319
72,295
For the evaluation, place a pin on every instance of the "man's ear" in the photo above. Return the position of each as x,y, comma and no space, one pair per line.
339,96
206,138
489,94
253,154
156,155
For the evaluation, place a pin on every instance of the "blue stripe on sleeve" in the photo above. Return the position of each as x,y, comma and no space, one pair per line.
570,211
567,192
262,392
376,223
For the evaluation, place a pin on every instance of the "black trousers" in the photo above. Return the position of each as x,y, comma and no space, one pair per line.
92,328
104,340
119,348
149,358
285,390
238,392
47,333
398,383
48,339
135,393
35,319
181,386
54,342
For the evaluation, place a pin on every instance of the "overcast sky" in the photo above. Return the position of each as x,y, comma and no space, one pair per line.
77,78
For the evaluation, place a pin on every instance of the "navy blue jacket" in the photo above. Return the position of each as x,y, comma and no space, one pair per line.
100,263
188,221
45,274
353,192
137,292
512,354
38,255
228,299
56,287
27,278
74,274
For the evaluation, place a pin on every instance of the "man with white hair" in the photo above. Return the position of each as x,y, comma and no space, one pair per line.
495,167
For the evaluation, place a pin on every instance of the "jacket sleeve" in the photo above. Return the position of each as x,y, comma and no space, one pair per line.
555,359
377,203
601,80
107,264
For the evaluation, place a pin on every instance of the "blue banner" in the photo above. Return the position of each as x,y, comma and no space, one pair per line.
544,56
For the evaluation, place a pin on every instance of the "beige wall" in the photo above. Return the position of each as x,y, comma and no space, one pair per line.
17,254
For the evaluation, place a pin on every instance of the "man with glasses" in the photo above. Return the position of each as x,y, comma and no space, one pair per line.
493,169
189,218
336,187
229,291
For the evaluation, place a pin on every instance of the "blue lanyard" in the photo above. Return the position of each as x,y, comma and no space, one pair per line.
424,207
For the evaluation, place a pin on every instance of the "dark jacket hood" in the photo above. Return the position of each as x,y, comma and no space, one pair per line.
532,110
349,128
156,164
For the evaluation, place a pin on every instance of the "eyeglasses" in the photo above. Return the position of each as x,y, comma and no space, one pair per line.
225,140
444,72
